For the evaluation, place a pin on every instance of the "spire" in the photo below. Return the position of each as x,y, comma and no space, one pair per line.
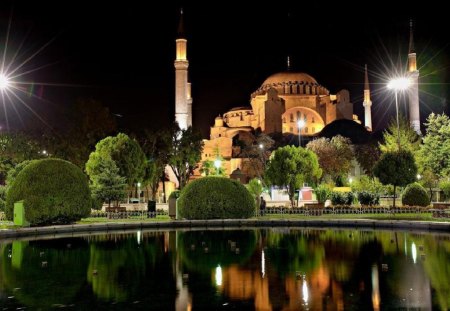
411,37
366,80
180,32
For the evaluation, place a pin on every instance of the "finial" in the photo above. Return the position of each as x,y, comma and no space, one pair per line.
411,36
289,63
181,11
180,31
366,80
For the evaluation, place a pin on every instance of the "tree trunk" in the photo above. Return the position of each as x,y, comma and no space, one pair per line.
394,195
164,187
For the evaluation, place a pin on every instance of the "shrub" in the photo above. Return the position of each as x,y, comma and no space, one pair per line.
368,198
53,190
445,187
322,193
2,198
415,194
215,197
174,194
342,198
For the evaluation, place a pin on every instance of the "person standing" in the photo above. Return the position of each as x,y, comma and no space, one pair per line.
262,207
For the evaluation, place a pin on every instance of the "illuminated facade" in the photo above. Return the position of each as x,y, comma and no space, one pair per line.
413,91
275,107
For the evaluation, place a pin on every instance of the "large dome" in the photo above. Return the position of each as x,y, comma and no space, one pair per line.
288,76
291,83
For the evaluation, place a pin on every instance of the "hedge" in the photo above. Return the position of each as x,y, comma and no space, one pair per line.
215,198
53,190
415,194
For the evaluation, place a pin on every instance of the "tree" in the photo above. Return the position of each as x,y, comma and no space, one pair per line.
409,140
185,153
256,189
108,185
88,121
335,155
124,151
290,167
397,168
257,152
435,150
156,145
367,156
16,147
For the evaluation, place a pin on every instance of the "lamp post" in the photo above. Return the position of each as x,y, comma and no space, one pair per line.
300,125
398,84
217,165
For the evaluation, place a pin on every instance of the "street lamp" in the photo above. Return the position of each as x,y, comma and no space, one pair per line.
217,165
4,82
300,125
398,84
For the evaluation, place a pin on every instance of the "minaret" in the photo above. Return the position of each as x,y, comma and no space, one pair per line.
183,99
413,90
367,103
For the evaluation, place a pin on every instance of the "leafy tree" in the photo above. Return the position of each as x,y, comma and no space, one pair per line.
367,155
88,121
257,151
16,147
335,155
396,168
108,185
185,153
290,167
156,145
256,189
435,150
124,151
409,140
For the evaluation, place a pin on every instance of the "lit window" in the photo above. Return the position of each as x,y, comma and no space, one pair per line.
312,120
298,115
292,117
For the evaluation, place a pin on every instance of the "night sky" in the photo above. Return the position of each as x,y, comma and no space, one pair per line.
122,55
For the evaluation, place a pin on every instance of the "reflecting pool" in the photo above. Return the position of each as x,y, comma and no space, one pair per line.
260,269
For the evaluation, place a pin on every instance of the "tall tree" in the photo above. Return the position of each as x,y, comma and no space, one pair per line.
88,121
367,156
185,153
125,152
108,185
290,167
156,145
16,147
396,168
409,140
335,155
435,150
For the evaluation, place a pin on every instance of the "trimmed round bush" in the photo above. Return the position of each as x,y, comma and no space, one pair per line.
415,195
215,198
342,198
368,198
53,191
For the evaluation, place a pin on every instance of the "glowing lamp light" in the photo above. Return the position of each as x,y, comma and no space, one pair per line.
218,276
399,84
217,163
300,123
4,82
261,146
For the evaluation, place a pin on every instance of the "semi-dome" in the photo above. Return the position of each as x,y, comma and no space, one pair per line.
288,76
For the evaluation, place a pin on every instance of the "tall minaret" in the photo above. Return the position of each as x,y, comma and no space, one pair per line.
183,99
413,91
367,103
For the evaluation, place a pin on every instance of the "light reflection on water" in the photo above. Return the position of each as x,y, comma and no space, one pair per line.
289,269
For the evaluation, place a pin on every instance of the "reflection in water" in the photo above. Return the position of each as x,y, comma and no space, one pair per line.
289,269
375,289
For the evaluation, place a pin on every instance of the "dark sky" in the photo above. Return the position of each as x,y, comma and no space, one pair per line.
122,54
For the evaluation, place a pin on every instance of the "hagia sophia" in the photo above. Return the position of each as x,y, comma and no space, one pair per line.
277,106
